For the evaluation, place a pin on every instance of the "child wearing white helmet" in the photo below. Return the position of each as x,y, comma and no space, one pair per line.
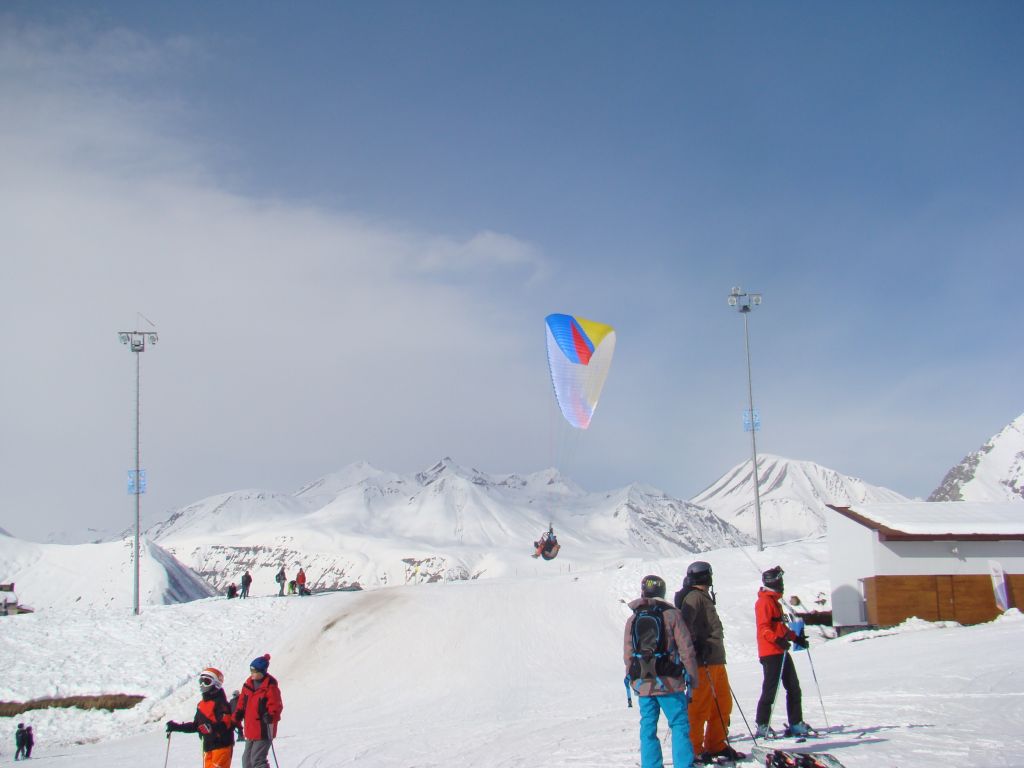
212,721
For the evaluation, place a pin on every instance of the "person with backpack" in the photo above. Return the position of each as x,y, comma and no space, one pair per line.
30,741
213,721
281,580
774,639
246,581
662,669
711,706
258,712
300,581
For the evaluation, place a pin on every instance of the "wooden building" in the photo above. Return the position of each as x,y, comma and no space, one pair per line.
933,560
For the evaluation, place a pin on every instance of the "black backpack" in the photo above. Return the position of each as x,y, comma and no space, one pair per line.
651,658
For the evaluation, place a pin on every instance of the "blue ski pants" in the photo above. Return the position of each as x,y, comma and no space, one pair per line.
674,707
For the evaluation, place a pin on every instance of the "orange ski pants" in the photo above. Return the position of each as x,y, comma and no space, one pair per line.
218,758
710,710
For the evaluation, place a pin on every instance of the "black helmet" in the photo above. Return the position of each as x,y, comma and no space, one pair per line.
652,586
772,578
699,573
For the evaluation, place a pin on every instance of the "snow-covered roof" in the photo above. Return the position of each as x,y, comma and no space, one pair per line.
945,519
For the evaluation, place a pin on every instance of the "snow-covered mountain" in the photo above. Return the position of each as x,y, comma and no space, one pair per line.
994,472
363,526
793,496
85,576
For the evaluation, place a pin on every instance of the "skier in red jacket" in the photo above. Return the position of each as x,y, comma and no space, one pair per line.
258,712
773,641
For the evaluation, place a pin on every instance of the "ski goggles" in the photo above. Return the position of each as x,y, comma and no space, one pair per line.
206,681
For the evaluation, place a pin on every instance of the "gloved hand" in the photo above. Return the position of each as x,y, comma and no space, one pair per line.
205,729
173,726
267,720
803,641
783,643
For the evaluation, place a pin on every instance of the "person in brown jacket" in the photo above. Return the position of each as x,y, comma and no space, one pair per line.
663,683
712,703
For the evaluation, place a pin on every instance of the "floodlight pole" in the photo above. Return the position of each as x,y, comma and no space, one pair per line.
137,343
744,303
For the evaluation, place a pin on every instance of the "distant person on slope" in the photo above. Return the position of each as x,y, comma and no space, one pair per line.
258,712
773,641
30,741
246,581
712,702
281,580
212,721
233,703
19,741
666,689
300,580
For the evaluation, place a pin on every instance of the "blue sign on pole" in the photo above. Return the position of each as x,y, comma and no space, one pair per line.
757,421
136,485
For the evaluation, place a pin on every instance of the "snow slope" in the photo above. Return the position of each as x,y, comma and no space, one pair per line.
793,496
82,576
994,472
500,673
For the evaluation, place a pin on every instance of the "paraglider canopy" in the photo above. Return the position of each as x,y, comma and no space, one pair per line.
579,356
547,545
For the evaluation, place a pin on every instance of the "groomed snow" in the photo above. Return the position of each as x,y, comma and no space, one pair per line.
500,673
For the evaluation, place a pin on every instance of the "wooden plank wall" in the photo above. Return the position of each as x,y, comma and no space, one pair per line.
964,599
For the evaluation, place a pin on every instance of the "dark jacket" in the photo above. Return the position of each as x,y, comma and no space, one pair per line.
701,618
212,721
256,703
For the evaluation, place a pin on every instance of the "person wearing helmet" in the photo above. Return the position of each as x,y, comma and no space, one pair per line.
709,711
773,641
212,721
668,691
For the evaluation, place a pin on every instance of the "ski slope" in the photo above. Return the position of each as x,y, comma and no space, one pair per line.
499,673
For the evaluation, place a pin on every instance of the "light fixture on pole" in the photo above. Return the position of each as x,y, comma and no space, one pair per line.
744,303
137,480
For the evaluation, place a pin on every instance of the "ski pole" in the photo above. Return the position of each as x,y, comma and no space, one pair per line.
274,753
740,708
718,708
167,754
815,676
629,692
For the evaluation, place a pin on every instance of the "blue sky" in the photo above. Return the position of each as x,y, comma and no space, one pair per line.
348,221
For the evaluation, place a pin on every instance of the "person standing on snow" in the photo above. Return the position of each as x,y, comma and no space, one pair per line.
773,641
668,692
212,721
246,581
711,706
281,579
19,741
300,580
233,703
258,712
30,741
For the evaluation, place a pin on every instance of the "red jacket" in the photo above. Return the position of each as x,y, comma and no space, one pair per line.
254,702
770,624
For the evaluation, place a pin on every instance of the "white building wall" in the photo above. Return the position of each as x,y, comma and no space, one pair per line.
851,557
937,558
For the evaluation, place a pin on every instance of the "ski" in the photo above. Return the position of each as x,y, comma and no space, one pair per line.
789,758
